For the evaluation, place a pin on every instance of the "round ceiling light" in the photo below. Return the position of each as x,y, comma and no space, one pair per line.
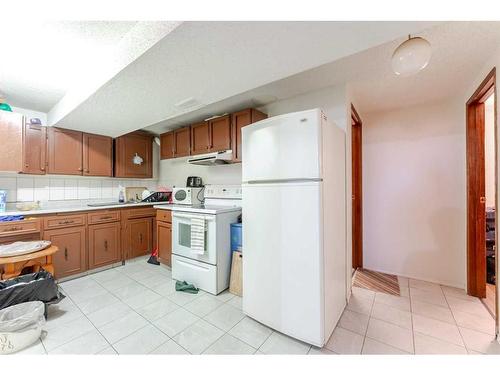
411,56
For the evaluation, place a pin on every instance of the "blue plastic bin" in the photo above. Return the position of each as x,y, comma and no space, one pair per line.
236,237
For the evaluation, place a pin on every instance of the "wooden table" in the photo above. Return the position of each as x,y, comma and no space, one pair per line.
13,266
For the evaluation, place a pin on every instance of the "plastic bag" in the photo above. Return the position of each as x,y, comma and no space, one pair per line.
20,326
38,286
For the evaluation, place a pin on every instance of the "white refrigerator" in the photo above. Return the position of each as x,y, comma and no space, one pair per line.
294,229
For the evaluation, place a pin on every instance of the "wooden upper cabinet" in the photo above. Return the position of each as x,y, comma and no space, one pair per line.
34,149
24,149
220,133
167,145
182,142
200,138
64,151
97,155
126,147
238,121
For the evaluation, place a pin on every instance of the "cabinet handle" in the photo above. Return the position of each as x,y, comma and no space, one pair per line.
140,237
80,169
106,245
67,222
66,253
106,217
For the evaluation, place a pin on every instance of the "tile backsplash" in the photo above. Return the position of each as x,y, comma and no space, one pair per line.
22,188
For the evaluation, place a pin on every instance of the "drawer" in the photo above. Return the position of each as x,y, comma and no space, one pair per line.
164,215
141,212
14,228
64,221
103,217
203,275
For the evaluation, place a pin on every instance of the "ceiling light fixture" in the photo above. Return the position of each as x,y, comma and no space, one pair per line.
411,56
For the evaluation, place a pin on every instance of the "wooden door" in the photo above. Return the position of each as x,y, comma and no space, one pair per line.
126,148
239,120
104,244
71,257
167,145
476,201
200,142
140,236
97,155
357,191
164,235
65,151
34,149
182,142
220,134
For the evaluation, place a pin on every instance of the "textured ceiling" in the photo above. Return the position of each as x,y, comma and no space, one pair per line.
41,60
459,51
213,61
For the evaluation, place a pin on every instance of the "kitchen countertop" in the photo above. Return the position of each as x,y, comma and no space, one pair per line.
77,208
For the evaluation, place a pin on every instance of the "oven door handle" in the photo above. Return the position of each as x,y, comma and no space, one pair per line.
186,216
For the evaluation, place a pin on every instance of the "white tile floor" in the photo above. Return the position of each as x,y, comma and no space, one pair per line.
426,319
134,309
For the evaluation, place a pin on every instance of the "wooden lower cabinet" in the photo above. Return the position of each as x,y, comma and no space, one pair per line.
139,237
104,244
71,257
164,235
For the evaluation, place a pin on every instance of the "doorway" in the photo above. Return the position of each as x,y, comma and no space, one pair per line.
357,189
482,192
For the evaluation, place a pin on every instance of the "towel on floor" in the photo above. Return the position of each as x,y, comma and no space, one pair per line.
182,286
198,235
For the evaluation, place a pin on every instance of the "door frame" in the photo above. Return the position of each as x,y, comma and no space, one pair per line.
357,188
476,201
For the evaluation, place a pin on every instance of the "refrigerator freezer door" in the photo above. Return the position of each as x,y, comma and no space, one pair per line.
285,147
282,258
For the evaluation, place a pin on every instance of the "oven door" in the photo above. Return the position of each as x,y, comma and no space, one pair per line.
181,236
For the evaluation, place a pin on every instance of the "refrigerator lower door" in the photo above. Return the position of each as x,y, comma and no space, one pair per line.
282,258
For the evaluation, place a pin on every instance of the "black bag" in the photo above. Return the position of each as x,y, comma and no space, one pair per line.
38,286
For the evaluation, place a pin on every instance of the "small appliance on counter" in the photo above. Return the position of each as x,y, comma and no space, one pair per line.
194,181
188,195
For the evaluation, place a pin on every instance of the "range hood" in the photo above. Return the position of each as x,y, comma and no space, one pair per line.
214,158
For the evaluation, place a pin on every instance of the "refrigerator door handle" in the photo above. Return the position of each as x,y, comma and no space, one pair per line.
281,181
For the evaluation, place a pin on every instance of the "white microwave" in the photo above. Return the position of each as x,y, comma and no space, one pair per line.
188,195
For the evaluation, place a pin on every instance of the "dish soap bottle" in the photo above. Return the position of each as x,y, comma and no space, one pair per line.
121,196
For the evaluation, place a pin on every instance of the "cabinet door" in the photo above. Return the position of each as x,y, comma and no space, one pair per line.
11,129
200,140
64,151
164,235
140,236
167,145
104,244
220,134
97,155
34,149
182,142
71,257
126,148
239,120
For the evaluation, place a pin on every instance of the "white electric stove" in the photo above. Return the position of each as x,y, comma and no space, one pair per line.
208,271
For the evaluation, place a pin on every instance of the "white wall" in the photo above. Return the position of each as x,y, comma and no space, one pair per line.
28,113
173,172
414,192
489,147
